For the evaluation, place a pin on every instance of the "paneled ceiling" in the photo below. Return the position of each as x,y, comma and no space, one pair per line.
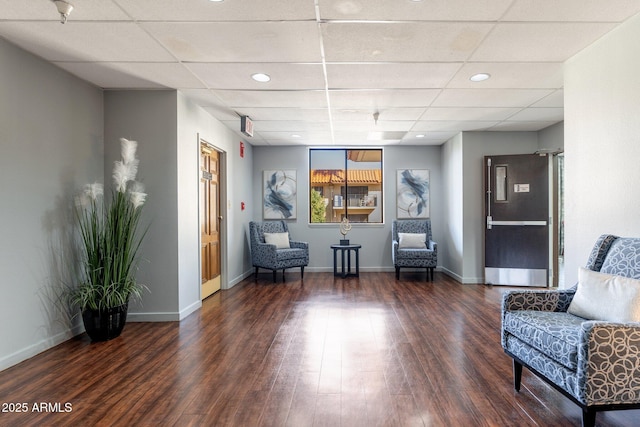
332,63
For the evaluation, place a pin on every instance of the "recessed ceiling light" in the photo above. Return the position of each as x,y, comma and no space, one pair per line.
420,136
216,1
261,77
295,135
480,77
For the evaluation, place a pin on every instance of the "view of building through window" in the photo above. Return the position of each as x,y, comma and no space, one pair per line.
345,183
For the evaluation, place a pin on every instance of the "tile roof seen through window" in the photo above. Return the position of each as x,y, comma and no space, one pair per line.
336,176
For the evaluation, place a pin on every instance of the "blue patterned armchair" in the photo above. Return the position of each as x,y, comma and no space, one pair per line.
269,256
595,363
424,254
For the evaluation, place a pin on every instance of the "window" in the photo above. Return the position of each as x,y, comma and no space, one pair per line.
345,183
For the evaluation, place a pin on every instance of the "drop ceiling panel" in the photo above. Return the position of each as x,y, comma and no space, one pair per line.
83,41
433,10
290,99
394,76
489,97
382,99
411,114
572,10
293,114
521,126
371,126
402,42
538,42
202,10
451,126
413,138
121,75
534,75
539,115
238,76
555,99
239,41
86,10
471,113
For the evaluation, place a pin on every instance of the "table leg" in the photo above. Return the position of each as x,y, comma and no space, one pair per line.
357,263
335,266
344,274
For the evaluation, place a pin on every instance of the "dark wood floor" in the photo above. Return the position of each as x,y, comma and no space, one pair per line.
371,351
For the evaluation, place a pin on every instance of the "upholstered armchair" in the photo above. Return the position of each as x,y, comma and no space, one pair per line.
412,245
584,341
271,248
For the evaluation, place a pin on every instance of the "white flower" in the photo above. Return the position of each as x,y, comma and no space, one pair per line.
93,191
81,201
128,150
120,176
137,198
137,187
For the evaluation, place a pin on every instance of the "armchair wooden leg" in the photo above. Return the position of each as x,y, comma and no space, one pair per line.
588,417
283,274
274,276
517,374
302,272
397,273
255,276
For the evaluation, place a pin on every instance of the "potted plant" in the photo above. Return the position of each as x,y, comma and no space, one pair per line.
110,241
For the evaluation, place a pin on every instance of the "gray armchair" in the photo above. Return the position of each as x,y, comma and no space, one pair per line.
265,255
592,362
410,254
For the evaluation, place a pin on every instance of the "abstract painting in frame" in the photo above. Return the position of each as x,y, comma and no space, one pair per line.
280,194
412,193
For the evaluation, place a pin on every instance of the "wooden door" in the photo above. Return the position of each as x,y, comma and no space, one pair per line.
517,220
210,219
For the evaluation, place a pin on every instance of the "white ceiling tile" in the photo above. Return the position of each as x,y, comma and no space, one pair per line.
433,10
533,75
268,98
572,10
489,97
538,42
394,76
555,99
539,115
371,126
84,10
83,41
292,114
411,114
120,75
382,99
238,76
521,126
202,10
411,138
239,41
402,42
291,126
451,126
470,113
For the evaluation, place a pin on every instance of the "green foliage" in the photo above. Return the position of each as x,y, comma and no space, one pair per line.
110,239
110,247
318,208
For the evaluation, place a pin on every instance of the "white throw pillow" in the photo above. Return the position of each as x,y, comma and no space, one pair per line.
412,240
281,240
608,297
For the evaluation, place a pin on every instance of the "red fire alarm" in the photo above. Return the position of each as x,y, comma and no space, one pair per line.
241,205
241,149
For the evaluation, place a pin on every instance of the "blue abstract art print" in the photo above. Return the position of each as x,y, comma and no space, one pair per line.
412,198
280,192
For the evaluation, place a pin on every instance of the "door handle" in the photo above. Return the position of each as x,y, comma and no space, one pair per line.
520,223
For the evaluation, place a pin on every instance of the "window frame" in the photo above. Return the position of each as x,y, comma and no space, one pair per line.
378,195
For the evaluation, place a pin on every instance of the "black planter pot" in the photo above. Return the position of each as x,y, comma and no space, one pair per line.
103,325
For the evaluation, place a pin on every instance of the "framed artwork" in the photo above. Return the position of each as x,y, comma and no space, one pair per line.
412,193
279,194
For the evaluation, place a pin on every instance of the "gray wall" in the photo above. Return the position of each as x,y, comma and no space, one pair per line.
602,148
50,146
375,254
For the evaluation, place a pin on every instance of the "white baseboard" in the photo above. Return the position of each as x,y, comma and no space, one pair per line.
39,347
